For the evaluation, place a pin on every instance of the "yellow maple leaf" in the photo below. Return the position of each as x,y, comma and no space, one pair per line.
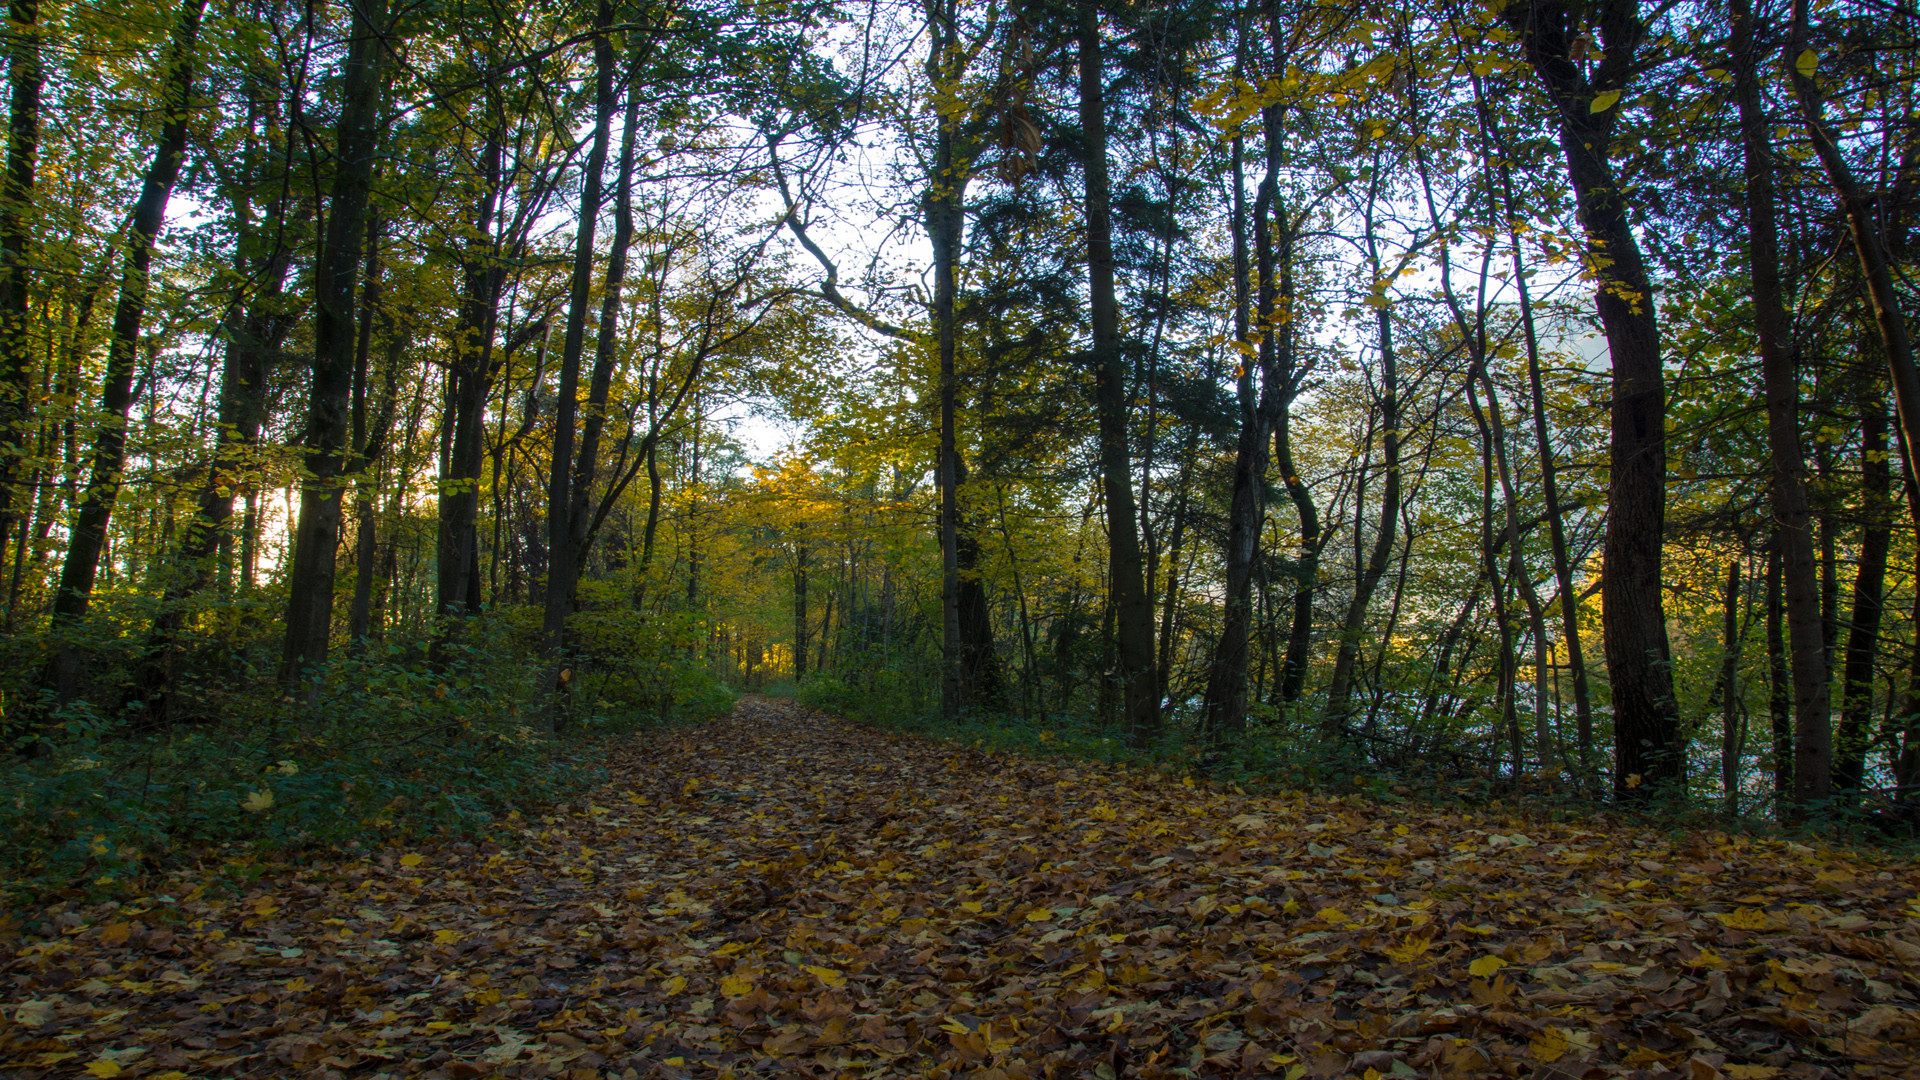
828,977
1103,812
447,937
256,802
1409,950
736,986
1332,915
1745,919
1040,914
412,860
115,933
1548,1046
1486,967
674,985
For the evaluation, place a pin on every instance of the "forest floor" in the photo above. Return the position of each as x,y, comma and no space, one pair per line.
780,893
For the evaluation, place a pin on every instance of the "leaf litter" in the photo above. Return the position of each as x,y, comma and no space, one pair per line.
781,893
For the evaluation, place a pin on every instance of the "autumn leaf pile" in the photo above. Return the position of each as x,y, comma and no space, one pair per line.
783,894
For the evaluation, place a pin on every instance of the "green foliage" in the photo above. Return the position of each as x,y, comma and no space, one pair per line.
388,747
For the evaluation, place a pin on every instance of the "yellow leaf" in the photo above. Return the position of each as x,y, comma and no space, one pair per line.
1331,915
971,906
256,802
115,933
1745,919
735,986
1485,967
1103,812
1604,101
1806,63
1633,779
104,1068
674,985
447,937
1400,830
828,977
413,860
1040,914
1548,1046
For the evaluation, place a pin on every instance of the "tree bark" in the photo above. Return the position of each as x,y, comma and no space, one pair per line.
1869,601
1868,245
562,565
1132,608
1806,634
88,537
27,77
317,531
1649,750
469,377
1226,699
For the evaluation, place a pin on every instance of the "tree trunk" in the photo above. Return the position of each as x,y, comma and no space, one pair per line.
1779,685
1132,608
469,377
1869,601
945,212
1729,690
317,532
1649,750
1805,625
1226,700
983,682
27,77
1868,244
562,565
800,556
1353,627
606,337
88,538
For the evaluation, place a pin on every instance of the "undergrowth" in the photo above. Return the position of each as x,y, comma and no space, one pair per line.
1273,757
382,747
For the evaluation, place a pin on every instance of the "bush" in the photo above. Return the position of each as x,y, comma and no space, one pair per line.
387,747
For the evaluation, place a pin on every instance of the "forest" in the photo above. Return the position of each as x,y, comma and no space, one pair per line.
1516,394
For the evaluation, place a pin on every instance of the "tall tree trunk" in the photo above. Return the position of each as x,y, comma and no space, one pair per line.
1226,700
1869,600
469,377
328,465
1868,244
26,78
1380,556
1779,683
606,342
1132,608
1813,747
88,537
983,681
800,556
562,566
1649,750
1729,690
945,220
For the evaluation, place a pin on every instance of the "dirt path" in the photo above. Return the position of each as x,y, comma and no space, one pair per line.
783,894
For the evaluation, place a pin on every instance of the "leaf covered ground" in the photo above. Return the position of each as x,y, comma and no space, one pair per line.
780,893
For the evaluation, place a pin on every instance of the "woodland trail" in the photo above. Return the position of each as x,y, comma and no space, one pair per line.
780,893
